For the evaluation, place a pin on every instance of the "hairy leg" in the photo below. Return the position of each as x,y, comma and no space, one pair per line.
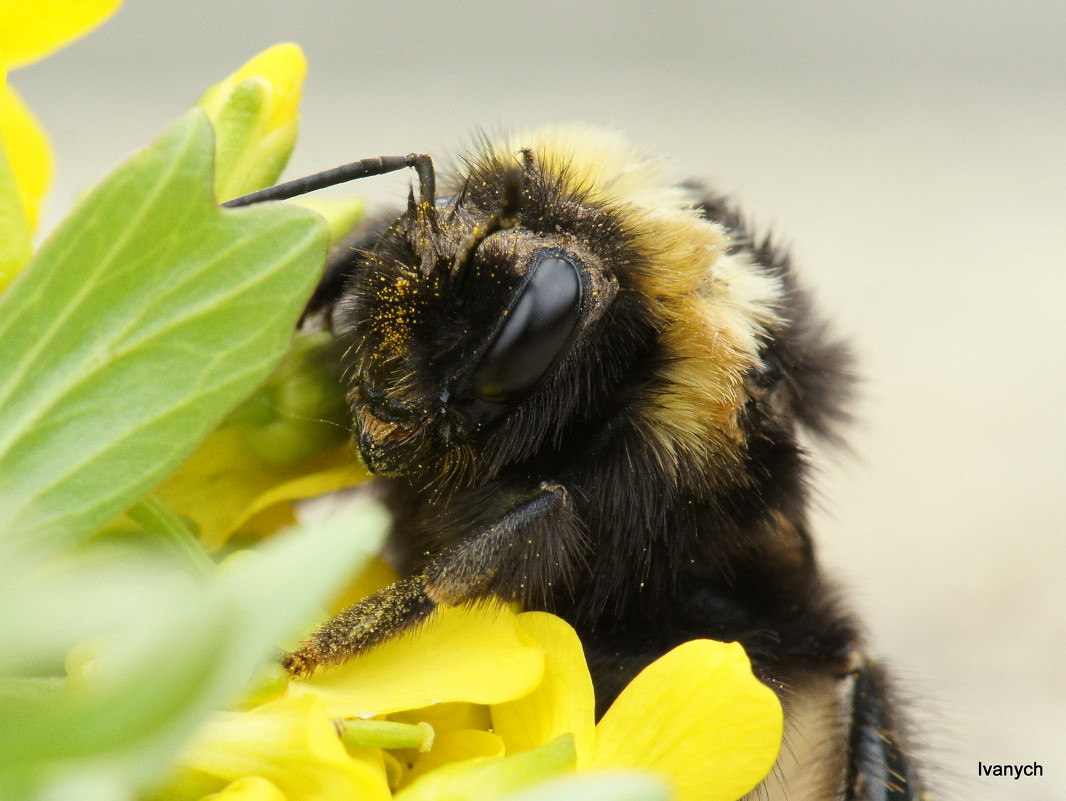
532,547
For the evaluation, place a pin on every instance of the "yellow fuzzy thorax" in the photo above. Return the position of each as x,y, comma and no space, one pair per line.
714,308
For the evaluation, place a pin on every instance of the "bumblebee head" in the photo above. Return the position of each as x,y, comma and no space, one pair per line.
470,321
565,287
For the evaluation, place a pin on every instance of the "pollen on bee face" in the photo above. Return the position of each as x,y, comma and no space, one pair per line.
396,313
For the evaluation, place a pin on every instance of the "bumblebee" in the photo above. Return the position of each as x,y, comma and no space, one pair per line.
585,388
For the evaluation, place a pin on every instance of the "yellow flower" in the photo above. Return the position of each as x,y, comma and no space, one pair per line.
481,702
25,169
696,717
30,31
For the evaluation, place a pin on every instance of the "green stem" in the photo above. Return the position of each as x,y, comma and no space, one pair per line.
385,734
158,518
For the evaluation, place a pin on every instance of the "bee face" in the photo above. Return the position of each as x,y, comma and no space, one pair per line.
466,317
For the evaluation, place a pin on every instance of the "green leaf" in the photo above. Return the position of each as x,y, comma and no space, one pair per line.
249,156
145,318
255,114
120,725
164,652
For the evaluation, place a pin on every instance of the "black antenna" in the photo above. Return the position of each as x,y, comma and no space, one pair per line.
365,168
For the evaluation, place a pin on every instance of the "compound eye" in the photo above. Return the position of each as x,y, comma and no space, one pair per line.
537,328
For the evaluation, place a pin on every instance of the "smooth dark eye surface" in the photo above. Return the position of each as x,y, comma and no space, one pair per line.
537,328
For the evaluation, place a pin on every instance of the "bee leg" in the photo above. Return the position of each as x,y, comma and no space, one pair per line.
360,627
879,765
531,547
524,555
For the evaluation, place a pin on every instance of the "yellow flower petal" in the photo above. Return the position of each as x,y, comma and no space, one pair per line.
328,472
486,778
285,68
282,66
456,746
25,172
16,246
292,744
251,788
480,655
29,152
448,716
32,30
223,484
563,703
699,717
267,521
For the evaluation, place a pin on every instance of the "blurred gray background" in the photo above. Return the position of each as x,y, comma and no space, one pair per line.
912,154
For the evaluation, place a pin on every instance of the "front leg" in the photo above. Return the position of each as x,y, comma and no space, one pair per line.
522,555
